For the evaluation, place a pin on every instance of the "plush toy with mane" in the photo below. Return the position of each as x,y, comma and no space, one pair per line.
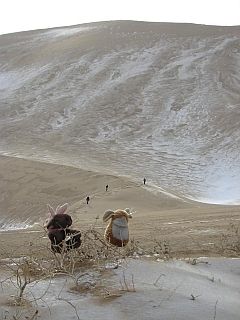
117,232
59,233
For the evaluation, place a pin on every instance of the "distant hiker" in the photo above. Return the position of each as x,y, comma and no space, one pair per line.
87,199
107,187
144,181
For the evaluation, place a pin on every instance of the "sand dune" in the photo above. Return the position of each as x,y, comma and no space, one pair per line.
189,227
162,96
110,103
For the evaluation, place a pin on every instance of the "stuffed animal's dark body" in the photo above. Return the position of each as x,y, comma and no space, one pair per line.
61,237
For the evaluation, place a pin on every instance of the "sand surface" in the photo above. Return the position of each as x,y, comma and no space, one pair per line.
137,289
129,98
188,228
163,227
108,103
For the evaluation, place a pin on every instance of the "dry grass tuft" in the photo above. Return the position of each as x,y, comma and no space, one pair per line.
230,241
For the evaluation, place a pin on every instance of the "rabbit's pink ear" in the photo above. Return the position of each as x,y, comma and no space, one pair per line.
62,209
50,210
46,223
58,207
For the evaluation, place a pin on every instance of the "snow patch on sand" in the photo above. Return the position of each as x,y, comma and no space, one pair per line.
205,289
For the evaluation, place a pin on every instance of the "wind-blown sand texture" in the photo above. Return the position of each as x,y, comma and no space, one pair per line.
139,289
160,95
110,103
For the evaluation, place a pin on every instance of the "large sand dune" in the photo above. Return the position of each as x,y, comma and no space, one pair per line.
107,96
110,103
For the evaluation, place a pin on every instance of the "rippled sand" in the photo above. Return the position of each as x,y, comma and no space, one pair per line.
128,98
111,103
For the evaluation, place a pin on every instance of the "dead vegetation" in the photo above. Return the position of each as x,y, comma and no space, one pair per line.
229,243
89,268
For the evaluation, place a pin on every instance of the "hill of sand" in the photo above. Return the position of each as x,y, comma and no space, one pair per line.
108,103
27,186
128,98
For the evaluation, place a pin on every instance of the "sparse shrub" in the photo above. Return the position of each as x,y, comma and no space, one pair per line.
94,257
230,241
21,272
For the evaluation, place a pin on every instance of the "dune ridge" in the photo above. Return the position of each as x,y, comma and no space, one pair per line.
162,95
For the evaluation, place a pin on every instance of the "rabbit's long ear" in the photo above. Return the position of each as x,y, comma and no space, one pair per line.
51,210
107,215
46,223
62,209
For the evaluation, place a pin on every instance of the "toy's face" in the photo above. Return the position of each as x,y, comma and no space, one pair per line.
120,228
120,221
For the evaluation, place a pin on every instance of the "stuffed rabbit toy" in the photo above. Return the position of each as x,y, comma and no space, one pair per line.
60,235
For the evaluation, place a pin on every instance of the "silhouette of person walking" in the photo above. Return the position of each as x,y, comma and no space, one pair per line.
107,187
144,181
87,199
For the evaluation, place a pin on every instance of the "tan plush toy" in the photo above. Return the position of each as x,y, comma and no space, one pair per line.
117,232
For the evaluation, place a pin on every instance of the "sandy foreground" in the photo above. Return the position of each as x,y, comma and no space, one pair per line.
137,289
162,228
